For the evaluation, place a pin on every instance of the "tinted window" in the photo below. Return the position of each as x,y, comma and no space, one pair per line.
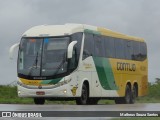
99,46
119,46
104,46
143,51
136,50
88,49
77,48
128,49
77,37
109,47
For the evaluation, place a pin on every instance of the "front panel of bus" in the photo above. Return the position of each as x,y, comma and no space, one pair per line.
43,64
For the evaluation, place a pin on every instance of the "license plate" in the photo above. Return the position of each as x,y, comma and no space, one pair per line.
40,93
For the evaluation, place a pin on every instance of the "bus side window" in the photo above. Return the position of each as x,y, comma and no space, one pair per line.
73,61
109,47
88,46
128,49
78,38
136,51
99,46
143,51
119,47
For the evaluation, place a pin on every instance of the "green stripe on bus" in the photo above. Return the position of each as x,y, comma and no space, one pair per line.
105,73
52,81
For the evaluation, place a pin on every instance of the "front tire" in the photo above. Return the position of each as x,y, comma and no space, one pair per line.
39,101
83,100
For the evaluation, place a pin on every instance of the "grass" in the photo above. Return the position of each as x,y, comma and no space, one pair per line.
8,95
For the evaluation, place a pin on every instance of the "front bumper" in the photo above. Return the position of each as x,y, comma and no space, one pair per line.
61,91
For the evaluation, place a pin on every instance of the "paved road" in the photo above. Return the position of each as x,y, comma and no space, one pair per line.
120,107
114,107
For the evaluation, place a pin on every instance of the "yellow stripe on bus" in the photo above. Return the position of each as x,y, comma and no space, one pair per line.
31,82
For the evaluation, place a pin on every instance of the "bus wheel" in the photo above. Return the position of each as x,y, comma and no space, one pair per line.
128,95
39,101
84,96
133,95
126,99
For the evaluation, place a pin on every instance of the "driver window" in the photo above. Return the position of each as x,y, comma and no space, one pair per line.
88,46
73,61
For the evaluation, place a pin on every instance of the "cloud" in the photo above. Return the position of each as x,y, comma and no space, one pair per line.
138,18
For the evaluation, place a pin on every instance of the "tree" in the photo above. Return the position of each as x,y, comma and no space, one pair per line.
158,80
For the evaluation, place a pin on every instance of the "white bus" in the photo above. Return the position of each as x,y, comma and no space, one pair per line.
80,62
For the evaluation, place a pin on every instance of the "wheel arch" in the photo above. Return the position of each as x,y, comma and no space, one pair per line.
129,84
86,82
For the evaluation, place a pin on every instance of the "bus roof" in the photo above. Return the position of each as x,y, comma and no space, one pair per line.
68,29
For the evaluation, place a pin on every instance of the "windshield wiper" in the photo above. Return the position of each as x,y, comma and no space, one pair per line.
34,64
36,60
60,65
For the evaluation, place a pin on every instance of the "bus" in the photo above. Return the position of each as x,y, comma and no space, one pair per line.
80,62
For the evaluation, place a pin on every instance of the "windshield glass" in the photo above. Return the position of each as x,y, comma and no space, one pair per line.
54,56
29,56
42,56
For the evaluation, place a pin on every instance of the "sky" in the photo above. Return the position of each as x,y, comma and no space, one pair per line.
139,18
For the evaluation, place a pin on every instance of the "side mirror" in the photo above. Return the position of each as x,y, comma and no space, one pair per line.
11,50
70,49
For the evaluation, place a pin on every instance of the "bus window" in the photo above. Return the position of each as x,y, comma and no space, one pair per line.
119,47
128,49
109,47
143,51
136,51
99,46
78,38
88,49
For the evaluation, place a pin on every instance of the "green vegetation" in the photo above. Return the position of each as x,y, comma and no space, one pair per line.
153,94
8,95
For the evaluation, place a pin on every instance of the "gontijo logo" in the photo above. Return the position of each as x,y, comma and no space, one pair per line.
126,66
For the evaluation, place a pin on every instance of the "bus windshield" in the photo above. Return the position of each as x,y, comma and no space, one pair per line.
43,56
